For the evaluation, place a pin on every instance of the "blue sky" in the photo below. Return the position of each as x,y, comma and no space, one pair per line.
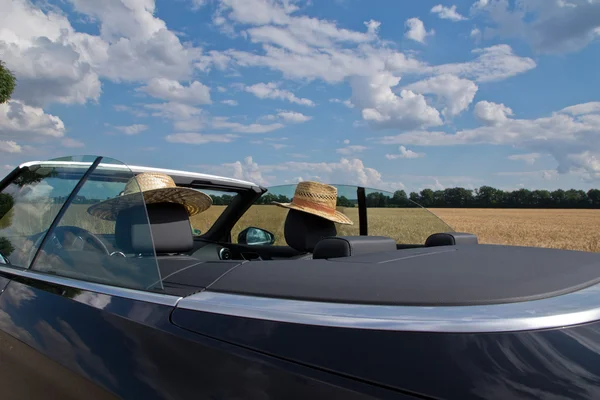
389,94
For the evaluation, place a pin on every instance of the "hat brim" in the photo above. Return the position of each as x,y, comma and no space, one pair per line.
337,216
193,200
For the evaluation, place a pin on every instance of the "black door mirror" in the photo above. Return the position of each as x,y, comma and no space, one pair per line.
256,237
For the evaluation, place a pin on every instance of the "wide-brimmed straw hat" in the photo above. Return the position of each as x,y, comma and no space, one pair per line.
317,199
156,188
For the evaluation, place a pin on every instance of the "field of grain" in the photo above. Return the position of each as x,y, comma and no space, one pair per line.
564,229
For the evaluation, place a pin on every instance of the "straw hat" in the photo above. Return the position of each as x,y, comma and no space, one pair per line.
157,188
317,199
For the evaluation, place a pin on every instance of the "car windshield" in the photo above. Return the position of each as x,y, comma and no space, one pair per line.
62,217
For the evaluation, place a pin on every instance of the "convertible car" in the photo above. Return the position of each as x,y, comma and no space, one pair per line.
247,300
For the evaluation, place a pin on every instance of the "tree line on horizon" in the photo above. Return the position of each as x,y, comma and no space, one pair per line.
483,197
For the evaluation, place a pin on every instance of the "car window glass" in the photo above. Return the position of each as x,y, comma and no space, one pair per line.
265,215
393,215
104,234
203,221
29,205
389,214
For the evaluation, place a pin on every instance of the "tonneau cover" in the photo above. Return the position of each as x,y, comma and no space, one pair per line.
440,276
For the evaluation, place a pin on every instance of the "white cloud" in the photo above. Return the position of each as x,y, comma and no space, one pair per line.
492,113
588,161
224,123
297,155
416,30
199,138
448,13
382,108
50,60
134,45
528,158
257,12
346,171
346,102
271,91
18,120
132,129
331,65
476,35
455,94
131,110
10,146
183,116
72,143
55,63
198,4
232,103
546,175
269,13
294,117
492,64
435,186
404,153
173,110
171,90
549,26
349,150
247,170
583,109
346,141
572,140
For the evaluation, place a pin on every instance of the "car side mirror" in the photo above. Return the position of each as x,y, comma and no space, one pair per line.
256,237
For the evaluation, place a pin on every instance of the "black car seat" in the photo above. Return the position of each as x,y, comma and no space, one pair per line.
171,235
302,231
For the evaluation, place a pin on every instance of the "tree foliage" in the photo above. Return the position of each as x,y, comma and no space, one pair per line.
483,197
7,83
489,197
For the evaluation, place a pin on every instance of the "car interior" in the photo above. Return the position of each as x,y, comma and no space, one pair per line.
159,237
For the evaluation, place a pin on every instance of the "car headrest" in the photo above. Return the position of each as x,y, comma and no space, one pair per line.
450,239
170,225
302,231
347,246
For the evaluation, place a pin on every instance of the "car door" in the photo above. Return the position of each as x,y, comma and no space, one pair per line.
69,308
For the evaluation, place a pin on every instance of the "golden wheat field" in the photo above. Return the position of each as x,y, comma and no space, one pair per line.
564,229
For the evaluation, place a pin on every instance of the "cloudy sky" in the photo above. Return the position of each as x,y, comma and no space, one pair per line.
386,93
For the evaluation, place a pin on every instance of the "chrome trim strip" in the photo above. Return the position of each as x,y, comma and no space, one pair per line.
570,309
139,169
155,298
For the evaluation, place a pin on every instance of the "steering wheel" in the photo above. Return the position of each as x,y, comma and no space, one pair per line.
74,237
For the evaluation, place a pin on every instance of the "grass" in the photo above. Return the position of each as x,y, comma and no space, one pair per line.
563,229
